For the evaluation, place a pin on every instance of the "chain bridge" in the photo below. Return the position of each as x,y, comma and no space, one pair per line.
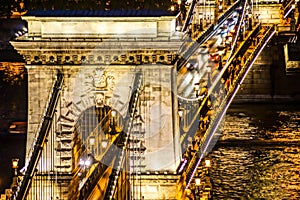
126,106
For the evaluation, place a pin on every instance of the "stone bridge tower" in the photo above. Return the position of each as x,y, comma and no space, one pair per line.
99,57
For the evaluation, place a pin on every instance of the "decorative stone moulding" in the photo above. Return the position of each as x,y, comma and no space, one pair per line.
133,57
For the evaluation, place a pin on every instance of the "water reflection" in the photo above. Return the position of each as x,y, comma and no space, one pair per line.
258,171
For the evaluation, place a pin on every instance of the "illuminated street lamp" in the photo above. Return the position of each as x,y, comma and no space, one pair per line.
104,144
92,140
207,163
15,165
181,118
180,112
197,187
87,163
81,162
197,182
113,113
172,8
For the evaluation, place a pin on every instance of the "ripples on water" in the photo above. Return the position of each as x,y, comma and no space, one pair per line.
258,171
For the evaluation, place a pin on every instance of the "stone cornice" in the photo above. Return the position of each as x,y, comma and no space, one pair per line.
128,45
89,53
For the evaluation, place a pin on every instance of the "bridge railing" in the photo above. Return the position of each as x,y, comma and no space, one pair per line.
206,142
41,140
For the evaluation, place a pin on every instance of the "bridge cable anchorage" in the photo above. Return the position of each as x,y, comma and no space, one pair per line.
22,191
225,104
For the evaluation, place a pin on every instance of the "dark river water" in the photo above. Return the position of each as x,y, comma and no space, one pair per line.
262,159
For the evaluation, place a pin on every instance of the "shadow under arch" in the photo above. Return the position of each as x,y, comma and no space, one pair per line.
98,119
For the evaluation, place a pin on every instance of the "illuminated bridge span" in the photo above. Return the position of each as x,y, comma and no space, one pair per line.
127,108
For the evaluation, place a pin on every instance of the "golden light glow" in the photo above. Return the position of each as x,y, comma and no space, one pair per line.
104,144
180,112
207,163
15,163
172,8
92,140
113,113
197,181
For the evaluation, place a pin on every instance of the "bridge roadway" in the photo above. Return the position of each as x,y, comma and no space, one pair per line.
209,75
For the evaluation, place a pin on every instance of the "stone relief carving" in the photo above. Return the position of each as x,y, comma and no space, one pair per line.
104,84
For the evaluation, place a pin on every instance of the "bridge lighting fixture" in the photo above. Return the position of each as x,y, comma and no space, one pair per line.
15,163
207,163
81,162
180,112
113,113
172,8
87,163
197,181
92,140
104,143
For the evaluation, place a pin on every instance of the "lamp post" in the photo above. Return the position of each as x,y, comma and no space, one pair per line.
92,142
113,113
15,166
207,164
180,114
197,187
113,123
